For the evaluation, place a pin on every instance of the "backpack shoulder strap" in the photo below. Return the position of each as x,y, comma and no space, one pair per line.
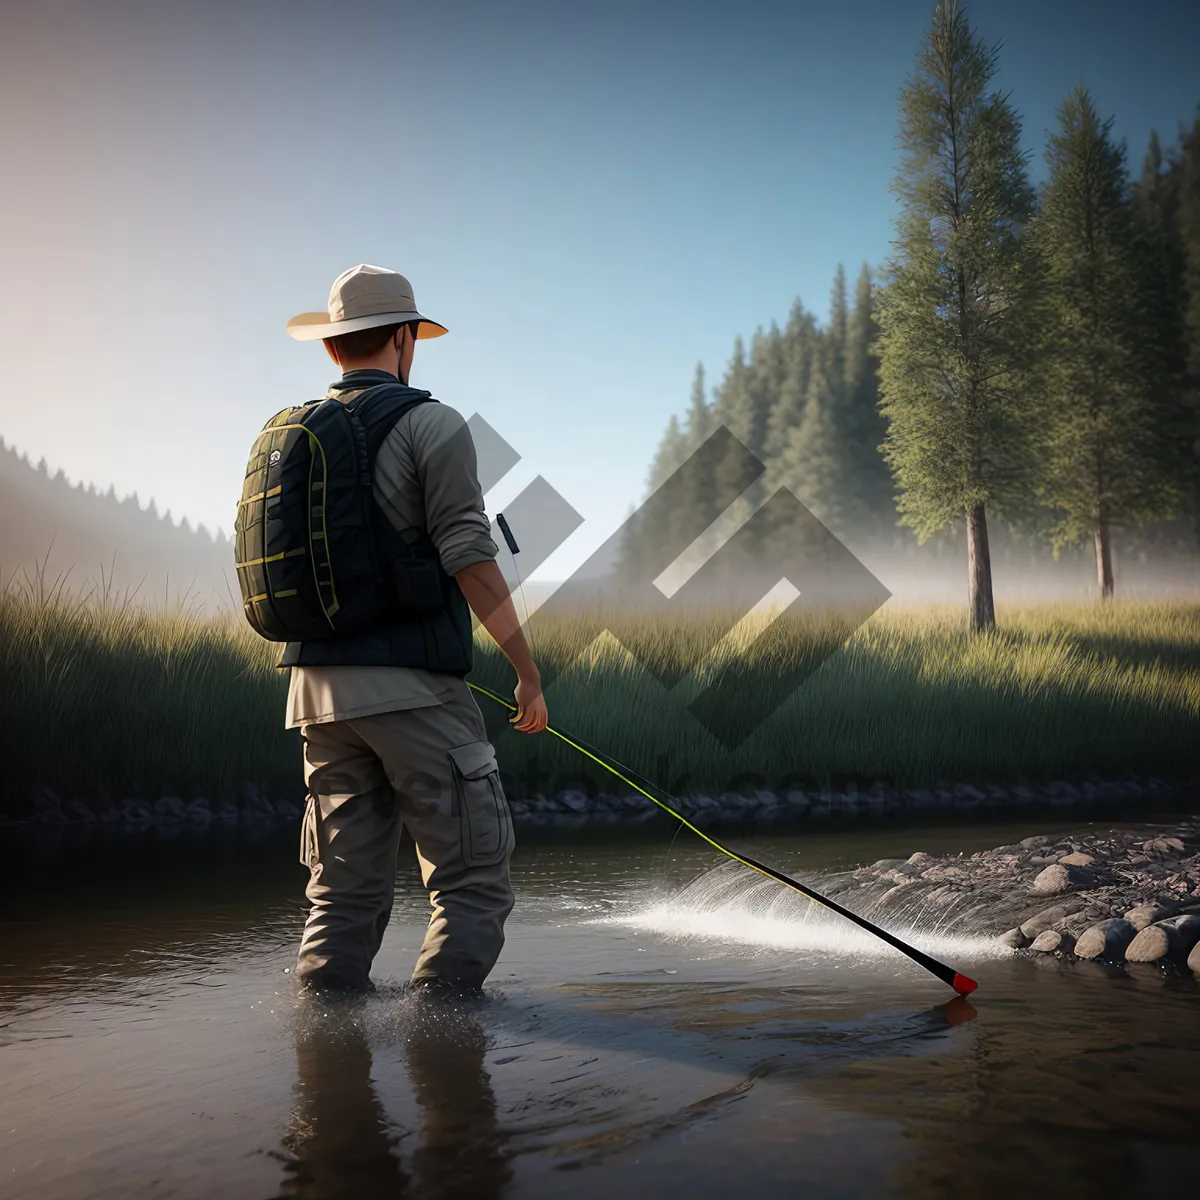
379,408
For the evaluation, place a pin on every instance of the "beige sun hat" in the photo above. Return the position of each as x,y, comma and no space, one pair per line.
364,297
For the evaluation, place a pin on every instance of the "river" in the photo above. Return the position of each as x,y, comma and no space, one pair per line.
653,1027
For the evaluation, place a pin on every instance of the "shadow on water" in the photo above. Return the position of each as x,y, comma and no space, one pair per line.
341,1141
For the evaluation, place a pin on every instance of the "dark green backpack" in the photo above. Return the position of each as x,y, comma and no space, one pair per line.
315,555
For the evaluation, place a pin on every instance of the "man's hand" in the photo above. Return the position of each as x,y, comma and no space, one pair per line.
486,592
531,715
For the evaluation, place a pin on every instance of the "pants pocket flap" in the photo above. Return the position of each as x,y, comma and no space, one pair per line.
474,760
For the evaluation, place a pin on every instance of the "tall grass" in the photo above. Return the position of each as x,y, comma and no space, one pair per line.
105,695
1058,690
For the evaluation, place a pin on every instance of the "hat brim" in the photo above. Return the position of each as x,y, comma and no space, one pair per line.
312,327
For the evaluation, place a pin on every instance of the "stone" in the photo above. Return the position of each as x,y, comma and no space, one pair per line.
1077,922
1183,930
1052,880
1194,958
920,860
1050,940
1106,939
1145,914
1014,939
1076,859
886,864
169,808
1065,790
576,802
1151,944
1049,917
47,807
78,811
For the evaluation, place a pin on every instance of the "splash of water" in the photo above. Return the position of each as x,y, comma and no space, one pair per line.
730,904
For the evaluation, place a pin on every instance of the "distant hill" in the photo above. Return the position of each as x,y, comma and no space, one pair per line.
95,535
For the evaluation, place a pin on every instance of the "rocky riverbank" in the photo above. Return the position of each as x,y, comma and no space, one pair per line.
1115,896
576,809
573,809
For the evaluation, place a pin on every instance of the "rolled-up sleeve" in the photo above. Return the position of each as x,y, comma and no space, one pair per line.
427,468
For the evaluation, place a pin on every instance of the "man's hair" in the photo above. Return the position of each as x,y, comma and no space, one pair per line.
362,343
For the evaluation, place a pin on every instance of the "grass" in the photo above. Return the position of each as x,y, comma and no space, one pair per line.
108,697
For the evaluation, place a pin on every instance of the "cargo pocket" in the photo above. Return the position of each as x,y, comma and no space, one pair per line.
309,853
483,814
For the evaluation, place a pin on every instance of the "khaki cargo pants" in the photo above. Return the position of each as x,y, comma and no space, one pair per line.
433,772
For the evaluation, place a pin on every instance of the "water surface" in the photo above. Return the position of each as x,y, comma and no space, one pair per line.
652,1028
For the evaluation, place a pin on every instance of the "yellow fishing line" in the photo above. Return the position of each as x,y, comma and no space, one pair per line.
638,788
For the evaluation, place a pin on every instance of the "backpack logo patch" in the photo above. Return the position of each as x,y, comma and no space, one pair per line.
275,457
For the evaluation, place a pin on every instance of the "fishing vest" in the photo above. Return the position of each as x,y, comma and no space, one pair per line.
320,566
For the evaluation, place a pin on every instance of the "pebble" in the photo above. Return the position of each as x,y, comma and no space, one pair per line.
1053,880
1194,958
1049,917
1076,859
1145,914
1015,939
1053,939
1106,939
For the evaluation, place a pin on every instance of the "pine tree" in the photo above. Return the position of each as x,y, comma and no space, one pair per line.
737,408
698,502
1162,264
837,333
669,455
1187,217
699,418
953,315
874,508
811,465
797,350
1102,447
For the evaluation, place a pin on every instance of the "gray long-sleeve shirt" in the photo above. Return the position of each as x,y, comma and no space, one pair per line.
426,477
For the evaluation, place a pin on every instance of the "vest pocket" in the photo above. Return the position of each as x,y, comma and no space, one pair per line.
483,814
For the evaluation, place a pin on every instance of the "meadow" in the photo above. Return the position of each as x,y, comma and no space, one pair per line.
105,698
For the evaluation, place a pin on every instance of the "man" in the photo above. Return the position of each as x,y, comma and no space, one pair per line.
392,736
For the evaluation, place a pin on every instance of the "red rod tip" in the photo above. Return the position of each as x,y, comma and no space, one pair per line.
964,986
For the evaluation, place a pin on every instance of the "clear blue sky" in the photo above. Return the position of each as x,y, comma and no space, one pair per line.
592,198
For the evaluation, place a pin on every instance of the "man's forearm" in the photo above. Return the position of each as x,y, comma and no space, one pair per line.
487,593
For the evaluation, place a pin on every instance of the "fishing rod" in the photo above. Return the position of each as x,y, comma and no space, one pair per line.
962,984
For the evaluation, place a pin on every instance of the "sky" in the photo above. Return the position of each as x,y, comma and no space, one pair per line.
592,198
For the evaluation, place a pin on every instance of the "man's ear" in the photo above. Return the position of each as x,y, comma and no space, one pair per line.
330,350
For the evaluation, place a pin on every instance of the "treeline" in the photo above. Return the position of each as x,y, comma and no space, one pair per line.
1028,354
53,527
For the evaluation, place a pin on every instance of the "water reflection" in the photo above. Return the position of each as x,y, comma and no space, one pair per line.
342,1141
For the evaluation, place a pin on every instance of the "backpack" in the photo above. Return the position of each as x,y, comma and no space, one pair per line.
314,553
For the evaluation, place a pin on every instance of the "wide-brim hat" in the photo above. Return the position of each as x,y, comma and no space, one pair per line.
364,297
